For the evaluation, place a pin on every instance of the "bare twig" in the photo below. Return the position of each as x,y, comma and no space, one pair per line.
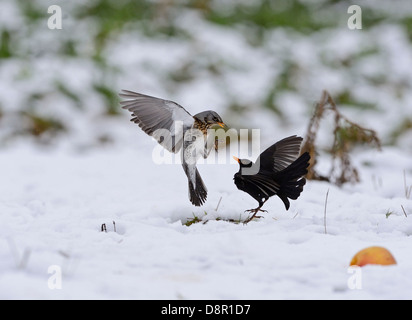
20,260
408,189
324,213
24,258
404,212
64,254
377,182
218,204
114,226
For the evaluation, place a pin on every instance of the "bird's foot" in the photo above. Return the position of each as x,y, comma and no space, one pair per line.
254,211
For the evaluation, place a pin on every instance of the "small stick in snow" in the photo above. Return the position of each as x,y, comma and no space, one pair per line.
21,261
324,214
64,254
404,212
377,182
114,226
408,189
24,258
218,204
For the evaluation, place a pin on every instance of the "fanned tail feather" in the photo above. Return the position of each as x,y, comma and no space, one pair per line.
198,193
293,180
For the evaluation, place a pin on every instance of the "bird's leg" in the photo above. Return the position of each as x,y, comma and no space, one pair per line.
255,211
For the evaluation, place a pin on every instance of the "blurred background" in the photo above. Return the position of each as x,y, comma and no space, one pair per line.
260,64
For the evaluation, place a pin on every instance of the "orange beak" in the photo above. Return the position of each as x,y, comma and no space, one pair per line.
237,159
221,124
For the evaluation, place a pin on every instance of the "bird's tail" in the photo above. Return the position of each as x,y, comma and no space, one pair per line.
197,192
293,180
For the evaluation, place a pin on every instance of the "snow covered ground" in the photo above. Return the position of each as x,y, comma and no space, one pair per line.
54,198
53,203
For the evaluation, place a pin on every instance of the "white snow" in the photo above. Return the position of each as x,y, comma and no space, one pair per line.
53,204
54,199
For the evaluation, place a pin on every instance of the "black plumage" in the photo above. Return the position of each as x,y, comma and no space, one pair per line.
279,170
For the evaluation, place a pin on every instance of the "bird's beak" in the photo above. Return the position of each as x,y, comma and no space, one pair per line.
221,124
237,159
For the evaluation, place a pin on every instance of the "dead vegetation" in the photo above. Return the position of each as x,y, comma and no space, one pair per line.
346,135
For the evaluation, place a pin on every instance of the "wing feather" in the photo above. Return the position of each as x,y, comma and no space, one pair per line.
164,120
280,155
266,184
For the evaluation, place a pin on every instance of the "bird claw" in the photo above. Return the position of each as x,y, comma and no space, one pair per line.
255,211
251,218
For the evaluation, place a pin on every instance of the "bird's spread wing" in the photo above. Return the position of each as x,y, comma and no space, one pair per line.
165,120
280,155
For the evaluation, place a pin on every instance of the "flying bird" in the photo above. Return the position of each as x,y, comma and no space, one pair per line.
176,130
279,170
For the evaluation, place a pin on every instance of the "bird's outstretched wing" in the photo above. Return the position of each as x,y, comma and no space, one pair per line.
280,155
164,120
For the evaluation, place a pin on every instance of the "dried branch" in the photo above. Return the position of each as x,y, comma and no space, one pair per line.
346,134
324,213
408,189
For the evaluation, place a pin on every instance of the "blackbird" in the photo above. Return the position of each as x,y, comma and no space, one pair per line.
176,129
277,171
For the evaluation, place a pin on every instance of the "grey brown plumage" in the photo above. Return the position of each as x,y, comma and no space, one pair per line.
168,122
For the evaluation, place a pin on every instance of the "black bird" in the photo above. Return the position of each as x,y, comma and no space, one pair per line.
277,171
173,127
